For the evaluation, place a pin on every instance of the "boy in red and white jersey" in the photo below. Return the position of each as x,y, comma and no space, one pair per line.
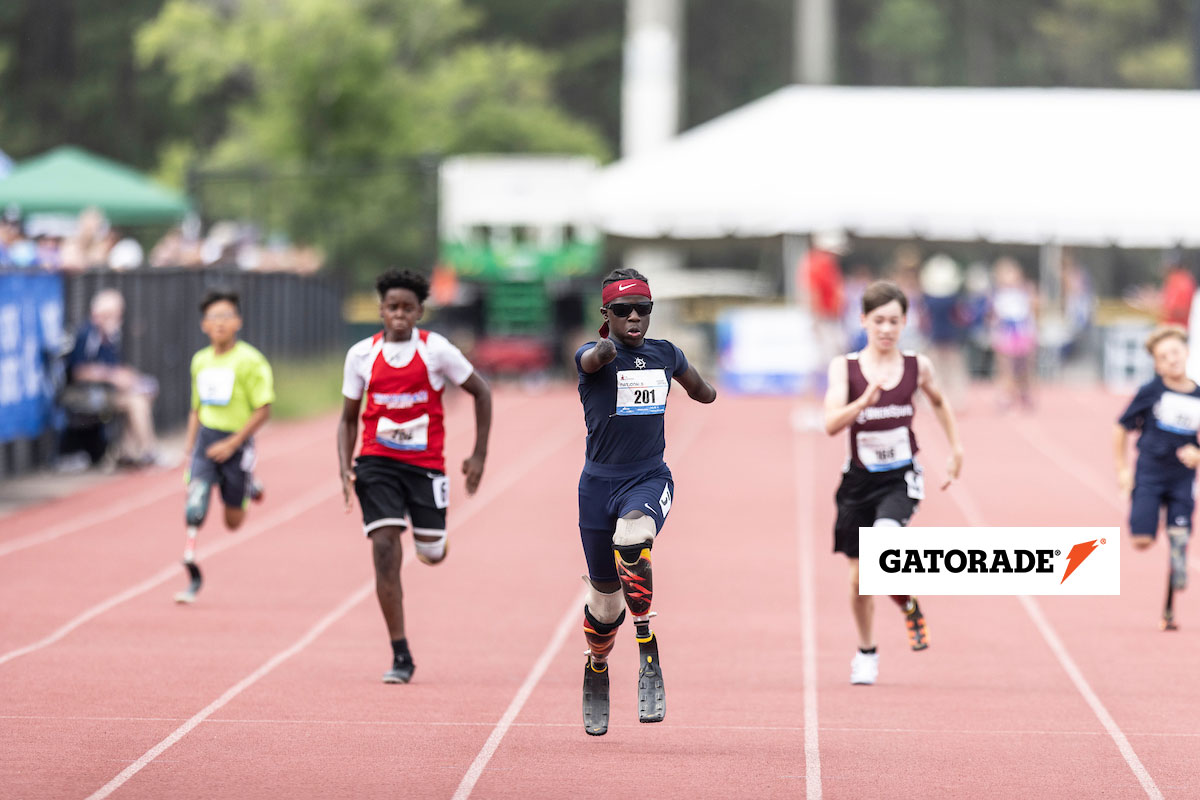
401,471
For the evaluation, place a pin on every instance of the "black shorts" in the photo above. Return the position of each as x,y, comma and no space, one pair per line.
231,475
864,497
388,490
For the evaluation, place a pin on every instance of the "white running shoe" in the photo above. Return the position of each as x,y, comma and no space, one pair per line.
864,668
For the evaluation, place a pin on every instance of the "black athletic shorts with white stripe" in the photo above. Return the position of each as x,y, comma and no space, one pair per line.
389,490
864,497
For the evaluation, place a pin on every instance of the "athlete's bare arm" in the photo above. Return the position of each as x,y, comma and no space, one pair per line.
222,450
603,353
347,437
927,382
1121,457
839,412
189,444
472,467
697,388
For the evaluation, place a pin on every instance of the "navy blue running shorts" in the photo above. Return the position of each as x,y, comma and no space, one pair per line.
232,475
1151,492
602,501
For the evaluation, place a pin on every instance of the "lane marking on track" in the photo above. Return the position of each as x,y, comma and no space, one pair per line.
173,572
1084,472
970,510
565,626
170,572
568,621
801,458
120,509
391,723
233,691
496,490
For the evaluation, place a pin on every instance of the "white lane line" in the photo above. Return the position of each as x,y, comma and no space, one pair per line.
174,572
393,723
808,617
568,621
566,625
233,691
496,489
971,511
167,573
92,518
1085,473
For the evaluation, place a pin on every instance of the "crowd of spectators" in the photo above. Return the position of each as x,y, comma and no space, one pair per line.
962,316
89,241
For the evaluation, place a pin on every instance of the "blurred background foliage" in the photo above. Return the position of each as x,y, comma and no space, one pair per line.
322,120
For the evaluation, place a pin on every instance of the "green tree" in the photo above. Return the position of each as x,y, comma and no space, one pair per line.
341,97
1122,43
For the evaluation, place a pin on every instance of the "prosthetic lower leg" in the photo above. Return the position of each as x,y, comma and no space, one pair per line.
637,582
601,636
194,514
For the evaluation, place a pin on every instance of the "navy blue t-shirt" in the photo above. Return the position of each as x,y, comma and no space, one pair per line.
624,403
1167,420
93,347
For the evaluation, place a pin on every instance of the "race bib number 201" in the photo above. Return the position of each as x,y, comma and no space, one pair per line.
641,392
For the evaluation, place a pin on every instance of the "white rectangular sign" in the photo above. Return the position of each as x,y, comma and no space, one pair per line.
989,561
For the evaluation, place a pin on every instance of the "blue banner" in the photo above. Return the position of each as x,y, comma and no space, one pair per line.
31,314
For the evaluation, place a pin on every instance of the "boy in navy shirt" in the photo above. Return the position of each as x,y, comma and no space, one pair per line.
1166,412
626,490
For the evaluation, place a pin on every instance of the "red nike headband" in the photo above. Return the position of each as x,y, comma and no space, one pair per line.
626,288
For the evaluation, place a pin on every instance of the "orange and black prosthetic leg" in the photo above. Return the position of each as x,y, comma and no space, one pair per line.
600,636
637,576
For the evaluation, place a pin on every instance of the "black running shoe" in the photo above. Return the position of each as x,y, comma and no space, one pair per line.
196,580
401,671
914,620
652,695
1168,621
595,699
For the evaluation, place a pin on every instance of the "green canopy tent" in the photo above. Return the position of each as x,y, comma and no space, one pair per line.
67,180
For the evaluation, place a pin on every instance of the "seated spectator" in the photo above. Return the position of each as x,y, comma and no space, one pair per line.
96,358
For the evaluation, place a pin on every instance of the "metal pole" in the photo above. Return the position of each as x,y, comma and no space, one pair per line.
815,41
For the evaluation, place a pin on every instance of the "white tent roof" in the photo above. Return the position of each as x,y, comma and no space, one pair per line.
1072,166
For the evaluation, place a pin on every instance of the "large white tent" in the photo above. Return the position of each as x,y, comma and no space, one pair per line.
1066,166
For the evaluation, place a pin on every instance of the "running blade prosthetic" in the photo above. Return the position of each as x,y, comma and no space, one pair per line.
652,695
595,699
188,595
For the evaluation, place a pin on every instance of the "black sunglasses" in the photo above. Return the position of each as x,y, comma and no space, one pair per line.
623,309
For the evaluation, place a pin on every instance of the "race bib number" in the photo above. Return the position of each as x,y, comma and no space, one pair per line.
214,385
880,451
441,491
1178,413
641,392
408,436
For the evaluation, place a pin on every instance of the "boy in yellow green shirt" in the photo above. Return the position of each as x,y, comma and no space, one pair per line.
232,392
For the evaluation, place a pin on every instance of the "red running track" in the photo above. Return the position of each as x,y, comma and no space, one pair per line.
270,683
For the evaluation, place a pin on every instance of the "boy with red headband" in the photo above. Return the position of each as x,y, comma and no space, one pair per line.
626,490
400,474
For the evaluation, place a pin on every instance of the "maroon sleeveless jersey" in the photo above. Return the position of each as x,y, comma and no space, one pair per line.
881,437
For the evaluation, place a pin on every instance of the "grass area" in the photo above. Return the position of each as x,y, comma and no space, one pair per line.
307,387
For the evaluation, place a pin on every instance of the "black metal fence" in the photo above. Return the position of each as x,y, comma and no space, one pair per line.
286,316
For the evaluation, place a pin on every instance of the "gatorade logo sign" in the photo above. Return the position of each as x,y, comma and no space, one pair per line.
989,561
